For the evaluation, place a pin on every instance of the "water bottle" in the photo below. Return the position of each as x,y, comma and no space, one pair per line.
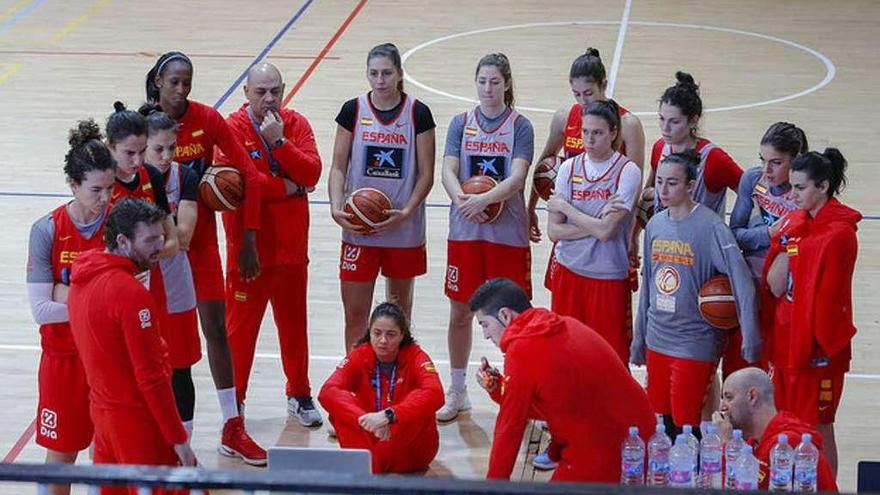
688,432
658,458
681,464
746,470
632,459
781,462
731,454
806,459
710,458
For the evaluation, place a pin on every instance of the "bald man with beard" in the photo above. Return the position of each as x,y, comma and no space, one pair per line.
747,403
281,145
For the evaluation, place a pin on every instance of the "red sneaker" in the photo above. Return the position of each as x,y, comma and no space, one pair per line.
237,443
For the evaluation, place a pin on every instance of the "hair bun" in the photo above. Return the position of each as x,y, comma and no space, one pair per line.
686,79
118,106
149,108
85,131
593,52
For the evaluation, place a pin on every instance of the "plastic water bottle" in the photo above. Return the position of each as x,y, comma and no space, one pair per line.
731,454
806,459
632,459
746,470
681,464
710,458
688,432
658,458
781,462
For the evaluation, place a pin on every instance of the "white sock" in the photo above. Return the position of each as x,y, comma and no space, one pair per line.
458,378
228,404
188,426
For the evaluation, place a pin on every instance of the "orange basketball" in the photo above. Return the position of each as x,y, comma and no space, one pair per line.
479,184
368,206
221,188
544,178
717,304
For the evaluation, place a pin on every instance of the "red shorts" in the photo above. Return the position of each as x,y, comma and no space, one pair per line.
551,268
471,263
678,386
362,263
603,305
812,394
732,359
182,338
207,272
63,421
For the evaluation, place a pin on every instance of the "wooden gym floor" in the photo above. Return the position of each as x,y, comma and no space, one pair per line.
808,62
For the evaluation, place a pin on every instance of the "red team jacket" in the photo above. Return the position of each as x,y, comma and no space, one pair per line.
125,359
822,255
721,170
284,220
785,422
558,369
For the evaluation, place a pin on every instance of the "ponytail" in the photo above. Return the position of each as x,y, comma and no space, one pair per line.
123,123
830,166
685,95
588,66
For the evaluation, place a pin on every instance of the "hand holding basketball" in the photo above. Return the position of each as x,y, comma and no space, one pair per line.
475,202
473,207
395,218
369,208
344,220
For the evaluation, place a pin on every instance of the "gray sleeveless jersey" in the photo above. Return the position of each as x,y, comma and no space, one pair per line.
176,271
490,152
714,201
383,156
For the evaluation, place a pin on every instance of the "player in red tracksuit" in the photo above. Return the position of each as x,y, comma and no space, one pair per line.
383,396
807,294
559,370
282,146
123,354
588,81
168,84
747,404
56,240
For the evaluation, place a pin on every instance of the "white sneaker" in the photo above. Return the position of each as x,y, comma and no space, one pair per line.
456,402
304,410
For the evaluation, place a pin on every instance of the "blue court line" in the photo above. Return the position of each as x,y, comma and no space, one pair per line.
19,15
14,194
263,54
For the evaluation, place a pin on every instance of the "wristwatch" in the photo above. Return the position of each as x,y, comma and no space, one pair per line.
279,142
389,413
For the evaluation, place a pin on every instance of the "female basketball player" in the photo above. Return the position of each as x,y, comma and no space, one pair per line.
181,187
590,282
384,140
56,239
200,128
765,194
685,245
587,78
494,140
807,294
383,394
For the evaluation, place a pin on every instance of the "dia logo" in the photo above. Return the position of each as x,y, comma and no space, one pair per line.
452,278
48,423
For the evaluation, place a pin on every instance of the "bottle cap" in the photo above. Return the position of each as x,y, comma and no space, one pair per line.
688,429
806,437
737,434
782,438
633,431
661,429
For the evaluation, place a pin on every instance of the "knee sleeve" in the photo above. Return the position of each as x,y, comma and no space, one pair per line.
184,392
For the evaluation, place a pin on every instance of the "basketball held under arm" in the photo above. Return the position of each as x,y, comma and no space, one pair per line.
728,259
336,178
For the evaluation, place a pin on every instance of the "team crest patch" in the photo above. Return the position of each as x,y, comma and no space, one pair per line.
240,296
491,166
760,188
198,133
255,154
383,163
429,367
667,280
366,121
144,317
470,131
351,253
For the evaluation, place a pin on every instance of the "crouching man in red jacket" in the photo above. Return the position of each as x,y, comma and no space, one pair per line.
112,319
560,370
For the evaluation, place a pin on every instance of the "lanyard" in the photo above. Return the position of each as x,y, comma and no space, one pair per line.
378,385
274,166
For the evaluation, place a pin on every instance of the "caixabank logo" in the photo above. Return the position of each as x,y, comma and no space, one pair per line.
383,162
490,166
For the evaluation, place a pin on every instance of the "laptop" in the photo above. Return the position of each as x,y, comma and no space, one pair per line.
346,461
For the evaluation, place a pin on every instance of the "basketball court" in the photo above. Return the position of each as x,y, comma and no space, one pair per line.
808,62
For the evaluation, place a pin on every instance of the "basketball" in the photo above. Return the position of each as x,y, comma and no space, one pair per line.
544,178
479,184
644,212
717,304
368,206
221,188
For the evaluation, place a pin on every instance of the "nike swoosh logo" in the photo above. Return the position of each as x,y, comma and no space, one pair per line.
571,128
64,238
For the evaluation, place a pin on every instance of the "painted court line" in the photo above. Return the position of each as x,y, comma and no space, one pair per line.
17,13
9,72
20,443
618,49
152,55
79,20
323,53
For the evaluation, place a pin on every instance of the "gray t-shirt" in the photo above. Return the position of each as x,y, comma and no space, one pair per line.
524,135
679,257
40,246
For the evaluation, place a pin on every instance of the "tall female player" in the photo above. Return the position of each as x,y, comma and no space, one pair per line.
56,239
384,140
200,128
494,140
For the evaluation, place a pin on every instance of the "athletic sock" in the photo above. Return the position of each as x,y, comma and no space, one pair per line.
458,379
228,403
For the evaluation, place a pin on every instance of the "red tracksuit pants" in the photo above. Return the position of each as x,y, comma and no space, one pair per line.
285,287
411,447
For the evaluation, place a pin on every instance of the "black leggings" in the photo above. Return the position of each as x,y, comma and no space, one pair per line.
184,392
